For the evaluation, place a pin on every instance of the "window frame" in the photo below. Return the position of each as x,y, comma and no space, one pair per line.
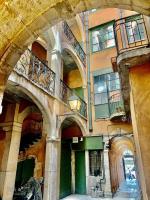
108,92
130,19
99,27
100,159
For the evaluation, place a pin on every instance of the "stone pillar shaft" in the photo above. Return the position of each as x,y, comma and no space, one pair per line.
52,170
9,160
107,188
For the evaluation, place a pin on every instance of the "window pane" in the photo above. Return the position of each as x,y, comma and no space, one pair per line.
112,76
104,37
101,98
101,111
114,85
96,47
135,29
100,84
95,163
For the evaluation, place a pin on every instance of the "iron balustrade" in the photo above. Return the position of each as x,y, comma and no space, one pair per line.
130,33
75,44
36,71
116,105
66,92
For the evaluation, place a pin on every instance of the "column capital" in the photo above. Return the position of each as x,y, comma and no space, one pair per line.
52,139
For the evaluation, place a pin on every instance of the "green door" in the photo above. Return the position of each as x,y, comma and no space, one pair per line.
25,170
65,170
80,178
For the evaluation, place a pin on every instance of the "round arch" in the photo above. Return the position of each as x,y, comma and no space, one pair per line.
40,103
76,119
81,68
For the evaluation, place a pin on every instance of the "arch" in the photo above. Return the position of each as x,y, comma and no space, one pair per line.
35,96
46,13
81,68
76,119
122,143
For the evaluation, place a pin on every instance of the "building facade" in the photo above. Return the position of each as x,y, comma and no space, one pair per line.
72,109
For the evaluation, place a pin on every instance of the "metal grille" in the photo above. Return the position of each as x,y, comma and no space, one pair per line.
36,71
66,93
75,44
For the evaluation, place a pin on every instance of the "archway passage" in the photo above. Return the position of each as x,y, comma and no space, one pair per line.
72,168
124,179
24,144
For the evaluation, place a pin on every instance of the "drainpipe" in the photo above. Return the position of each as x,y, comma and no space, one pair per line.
86,24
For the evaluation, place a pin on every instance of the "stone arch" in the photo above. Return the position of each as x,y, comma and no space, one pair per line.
35,96
81,68
118,145
121,143
75,118
40,16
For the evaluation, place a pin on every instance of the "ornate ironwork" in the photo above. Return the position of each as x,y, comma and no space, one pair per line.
66,93
76,45
116,105
35,70
130,33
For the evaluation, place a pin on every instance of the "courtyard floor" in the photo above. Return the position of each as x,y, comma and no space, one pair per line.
85,197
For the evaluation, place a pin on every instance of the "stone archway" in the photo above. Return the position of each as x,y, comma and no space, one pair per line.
19,30
118,145
72,159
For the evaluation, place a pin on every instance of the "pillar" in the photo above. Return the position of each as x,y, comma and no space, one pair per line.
52,170
10,159
107,187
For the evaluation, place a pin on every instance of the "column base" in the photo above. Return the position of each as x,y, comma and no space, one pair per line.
108,194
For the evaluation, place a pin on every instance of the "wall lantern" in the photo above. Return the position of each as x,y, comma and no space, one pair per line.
74,103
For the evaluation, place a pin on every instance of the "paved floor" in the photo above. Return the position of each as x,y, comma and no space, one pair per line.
128,190
84,197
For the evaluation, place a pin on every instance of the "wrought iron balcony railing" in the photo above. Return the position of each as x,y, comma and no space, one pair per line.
116,105
66,93
36,71
130,33
75,44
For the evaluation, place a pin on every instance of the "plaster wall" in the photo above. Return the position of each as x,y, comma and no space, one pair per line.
140,84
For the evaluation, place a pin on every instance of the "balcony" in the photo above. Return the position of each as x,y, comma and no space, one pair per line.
36,71
74,43
133,49
67,93
116,106
130,34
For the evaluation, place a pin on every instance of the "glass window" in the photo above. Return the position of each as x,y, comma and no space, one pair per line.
106,91
103,37
95,162
135,29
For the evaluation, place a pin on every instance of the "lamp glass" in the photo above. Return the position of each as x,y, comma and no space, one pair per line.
74,103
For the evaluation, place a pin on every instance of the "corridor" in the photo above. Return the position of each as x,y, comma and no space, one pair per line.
129,190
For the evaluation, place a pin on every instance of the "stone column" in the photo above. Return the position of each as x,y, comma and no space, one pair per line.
107,187
54,59
52,170
10,159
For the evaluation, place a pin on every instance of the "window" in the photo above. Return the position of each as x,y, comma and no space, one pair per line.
135,29
102,37
95,162
106,94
